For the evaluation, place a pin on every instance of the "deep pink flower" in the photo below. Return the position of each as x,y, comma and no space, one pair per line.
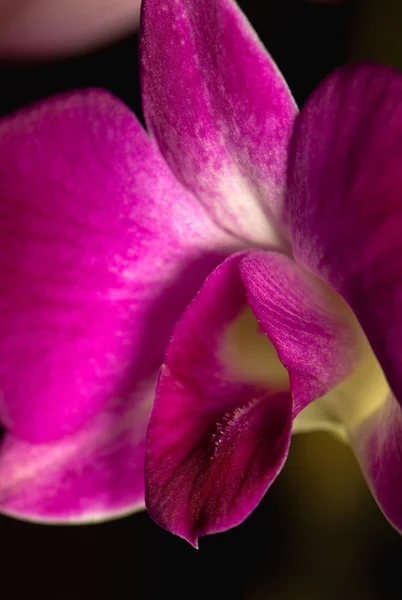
106,235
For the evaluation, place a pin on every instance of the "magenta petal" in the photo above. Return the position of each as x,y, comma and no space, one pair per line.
95,474
307,325
100,250
345,200
219,110
218,434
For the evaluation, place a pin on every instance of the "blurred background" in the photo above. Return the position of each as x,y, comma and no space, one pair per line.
318,533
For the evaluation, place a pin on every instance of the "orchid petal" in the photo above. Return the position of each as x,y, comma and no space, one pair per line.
100,251
219,110
93,475
345,215
220,428
344,200
42,28
377,442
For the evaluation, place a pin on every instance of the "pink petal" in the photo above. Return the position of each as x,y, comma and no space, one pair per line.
220,428
377,442
100,251
346,216
42,28
219,110
93,475
345,200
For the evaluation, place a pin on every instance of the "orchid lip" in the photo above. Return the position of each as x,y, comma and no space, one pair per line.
236,375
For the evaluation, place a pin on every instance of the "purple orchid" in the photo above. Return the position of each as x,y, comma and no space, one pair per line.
267,242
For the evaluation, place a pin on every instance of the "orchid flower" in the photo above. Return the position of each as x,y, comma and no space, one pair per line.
247,254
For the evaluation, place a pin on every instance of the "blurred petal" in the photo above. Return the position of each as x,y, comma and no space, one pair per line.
100,251
43,28
346,216
345,200
93,475
377,442
219,110
317,416
220,428
369,417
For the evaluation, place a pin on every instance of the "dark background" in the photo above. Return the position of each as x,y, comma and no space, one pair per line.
318,533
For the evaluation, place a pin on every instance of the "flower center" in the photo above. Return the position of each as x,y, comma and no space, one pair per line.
251,357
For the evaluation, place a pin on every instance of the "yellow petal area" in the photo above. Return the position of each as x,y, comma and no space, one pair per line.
250,356
361,394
